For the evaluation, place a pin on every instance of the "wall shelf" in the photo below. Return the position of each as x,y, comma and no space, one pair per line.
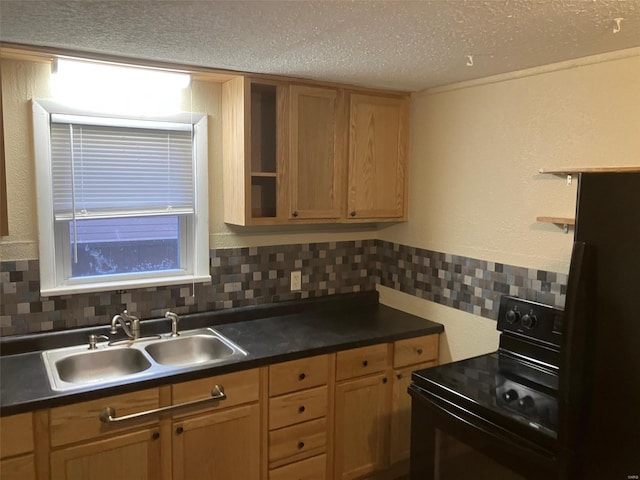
565,222
574,170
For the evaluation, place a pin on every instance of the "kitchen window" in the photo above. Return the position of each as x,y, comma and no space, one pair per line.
122,201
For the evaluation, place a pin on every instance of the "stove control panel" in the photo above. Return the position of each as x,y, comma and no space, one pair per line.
530,319
538,407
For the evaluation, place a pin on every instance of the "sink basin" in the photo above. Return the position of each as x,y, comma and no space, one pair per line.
189,350
101,365
76,367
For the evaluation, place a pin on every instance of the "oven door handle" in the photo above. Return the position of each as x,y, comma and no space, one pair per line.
449,409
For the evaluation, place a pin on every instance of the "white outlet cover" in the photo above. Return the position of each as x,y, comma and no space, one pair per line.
296,280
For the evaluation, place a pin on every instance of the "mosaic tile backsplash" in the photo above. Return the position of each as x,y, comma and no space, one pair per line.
258,275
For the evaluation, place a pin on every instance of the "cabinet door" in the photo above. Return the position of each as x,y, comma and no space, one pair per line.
378,137
316,153
401,412
224,444
18,468
130,456
361,426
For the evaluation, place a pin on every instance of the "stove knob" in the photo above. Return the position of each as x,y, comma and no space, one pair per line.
526,402
510,395
513,316
529,321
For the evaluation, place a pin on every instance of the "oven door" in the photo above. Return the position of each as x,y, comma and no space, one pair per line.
449,441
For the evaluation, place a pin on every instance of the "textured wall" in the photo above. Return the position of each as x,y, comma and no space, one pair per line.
475,152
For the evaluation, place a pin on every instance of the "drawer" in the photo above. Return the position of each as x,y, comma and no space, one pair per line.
291,444
298,374
415,350
19,468
80,421
362,361
239,387
314,468
297,407
16,434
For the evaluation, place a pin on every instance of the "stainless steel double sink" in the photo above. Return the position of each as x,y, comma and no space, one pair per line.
77,366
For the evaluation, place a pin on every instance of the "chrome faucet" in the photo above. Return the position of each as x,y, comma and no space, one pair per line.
174,323
122,319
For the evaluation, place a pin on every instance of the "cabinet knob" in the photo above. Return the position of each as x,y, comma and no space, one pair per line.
384,380
179,430
399,376
301,409
365,363
419,351
353,213
300,445
294,213
155,436
302,376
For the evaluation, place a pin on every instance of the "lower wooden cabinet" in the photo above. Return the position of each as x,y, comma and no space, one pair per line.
400,444
332,416
223,444
18,468
361,426
17,461
134,455
314,468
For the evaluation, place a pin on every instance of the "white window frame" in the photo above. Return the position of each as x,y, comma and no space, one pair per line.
55,261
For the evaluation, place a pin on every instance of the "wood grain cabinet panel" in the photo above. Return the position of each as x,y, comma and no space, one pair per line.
133,455
378,144
80,421
362,361
16,434
294,443
222,444
401,413
361,426
415,350
314,468
316,153
239,387
18,468
298,375
297,407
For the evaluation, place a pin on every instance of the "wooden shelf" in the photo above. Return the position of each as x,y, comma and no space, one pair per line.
558,220
264,174
564,222
574,170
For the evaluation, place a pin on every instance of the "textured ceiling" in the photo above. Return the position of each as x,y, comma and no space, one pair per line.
405,45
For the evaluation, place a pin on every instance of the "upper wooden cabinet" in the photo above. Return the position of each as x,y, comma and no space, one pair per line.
378,134
254,150
310,154
317,153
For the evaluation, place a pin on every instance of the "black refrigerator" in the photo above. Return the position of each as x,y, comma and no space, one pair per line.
599,432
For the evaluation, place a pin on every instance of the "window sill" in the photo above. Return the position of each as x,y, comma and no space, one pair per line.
124,285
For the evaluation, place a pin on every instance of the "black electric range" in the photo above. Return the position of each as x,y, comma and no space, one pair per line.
495,414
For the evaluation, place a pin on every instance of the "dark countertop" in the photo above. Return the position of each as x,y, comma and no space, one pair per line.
270,334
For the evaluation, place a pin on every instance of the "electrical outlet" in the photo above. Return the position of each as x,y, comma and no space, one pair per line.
296,281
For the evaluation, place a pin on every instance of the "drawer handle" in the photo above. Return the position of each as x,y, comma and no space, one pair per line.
365,363
108,414
419,351
301,409
302,376
300,445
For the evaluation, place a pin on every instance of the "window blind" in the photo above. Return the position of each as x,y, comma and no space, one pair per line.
103,171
